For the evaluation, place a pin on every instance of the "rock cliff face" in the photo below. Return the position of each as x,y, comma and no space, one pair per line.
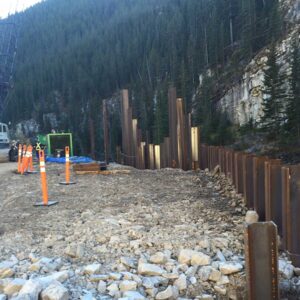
243,101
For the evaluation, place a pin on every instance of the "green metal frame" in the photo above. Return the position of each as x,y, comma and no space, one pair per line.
59,134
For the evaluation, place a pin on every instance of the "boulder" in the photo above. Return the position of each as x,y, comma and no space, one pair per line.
127,285
251,217
55,291
204,273
191,257
200,259
158,258
151,282
128,262
3,283
31,288
220,289
286,269
101,287
133,295
170,292
181,282
6,269
92,269
206,297
150,269
61,276
14,286
185,256
227,268
215,275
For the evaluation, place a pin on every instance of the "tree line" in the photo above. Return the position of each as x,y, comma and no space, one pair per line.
281,104
73,54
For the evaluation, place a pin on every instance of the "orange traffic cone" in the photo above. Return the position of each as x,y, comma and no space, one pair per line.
24,159
45,201
20,158
67,182
30,169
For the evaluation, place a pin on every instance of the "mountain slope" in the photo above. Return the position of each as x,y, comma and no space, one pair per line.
72,54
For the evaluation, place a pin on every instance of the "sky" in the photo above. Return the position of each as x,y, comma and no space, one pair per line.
11,6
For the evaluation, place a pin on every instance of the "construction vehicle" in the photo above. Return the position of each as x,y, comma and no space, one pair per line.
4,143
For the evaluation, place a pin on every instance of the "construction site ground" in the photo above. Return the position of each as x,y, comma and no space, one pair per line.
160,234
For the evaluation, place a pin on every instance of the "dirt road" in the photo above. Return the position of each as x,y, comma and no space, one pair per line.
106,218
7,168
161,234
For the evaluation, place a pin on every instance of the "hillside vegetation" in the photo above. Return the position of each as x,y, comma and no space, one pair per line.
72,54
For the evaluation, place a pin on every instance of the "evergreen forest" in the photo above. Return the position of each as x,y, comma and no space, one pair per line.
73,54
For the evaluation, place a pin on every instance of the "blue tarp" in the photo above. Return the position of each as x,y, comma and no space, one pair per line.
73,159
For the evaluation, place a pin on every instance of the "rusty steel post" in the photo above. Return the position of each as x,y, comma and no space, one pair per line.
167,152
105,132
239,182
195,143
248,180
173,127
259,186
157,156
286,209
151,156
180,134
134,125
292,208
261,252
271,176
188,143
131,154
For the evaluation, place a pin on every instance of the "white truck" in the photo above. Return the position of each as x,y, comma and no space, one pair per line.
4,143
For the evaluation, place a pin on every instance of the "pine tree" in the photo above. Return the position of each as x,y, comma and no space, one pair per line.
274,96
293,110
275,22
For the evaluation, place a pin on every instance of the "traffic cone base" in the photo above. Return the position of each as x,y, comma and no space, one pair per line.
50,203
67,183
31,172
45,201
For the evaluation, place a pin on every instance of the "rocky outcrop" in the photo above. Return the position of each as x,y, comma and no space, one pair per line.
243,101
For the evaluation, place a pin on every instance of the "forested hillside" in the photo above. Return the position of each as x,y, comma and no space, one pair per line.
72,54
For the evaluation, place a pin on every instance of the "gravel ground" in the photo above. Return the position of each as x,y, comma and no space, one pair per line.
191,223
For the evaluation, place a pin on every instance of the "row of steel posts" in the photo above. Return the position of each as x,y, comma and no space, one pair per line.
179,150
268,186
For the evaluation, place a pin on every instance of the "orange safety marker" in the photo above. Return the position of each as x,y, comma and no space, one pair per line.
23,159
27,159
30,169
67,182
45,201
20,158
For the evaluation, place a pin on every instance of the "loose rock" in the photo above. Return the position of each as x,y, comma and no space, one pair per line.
55,291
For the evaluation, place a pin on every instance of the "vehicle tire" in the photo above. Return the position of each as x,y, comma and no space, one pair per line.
11,155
